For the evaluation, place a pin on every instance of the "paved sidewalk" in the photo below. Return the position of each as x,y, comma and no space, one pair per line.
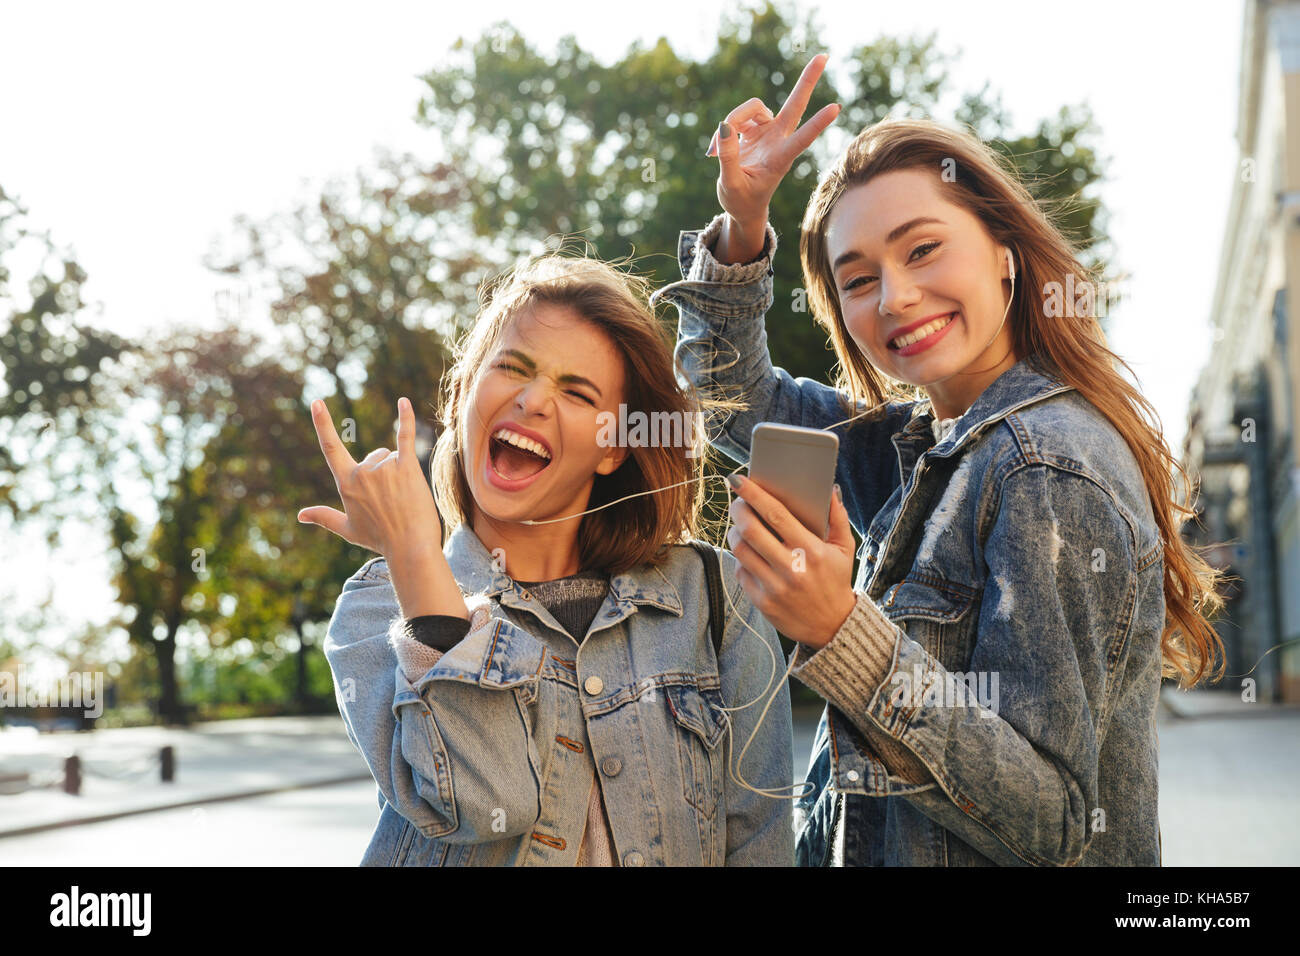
232,759
121,772
218,760
1215,703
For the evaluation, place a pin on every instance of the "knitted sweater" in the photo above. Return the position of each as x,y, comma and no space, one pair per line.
573,602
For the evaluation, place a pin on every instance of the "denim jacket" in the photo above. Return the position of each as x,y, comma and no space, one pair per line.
1017,570
488,758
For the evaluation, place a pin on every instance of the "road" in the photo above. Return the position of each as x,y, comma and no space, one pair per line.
1227,792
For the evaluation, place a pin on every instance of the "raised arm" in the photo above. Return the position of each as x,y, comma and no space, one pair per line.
446,738
726,291
727,270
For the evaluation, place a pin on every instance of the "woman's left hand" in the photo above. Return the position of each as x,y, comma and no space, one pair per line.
389,506
802,585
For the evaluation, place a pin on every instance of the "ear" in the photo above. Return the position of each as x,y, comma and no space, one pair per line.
612,461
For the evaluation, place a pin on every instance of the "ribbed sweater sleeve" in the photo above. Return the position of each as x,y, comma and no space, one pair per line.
848,671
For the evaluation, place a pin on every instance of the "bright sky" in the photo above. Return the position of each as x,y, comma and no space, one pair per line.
135,133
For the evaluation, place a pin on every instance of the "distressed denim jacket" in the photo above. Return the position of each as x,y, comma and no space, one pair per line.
488,758
1016,572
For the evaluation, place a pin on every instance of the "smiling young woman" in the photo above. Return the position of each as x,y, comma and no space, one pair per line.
524,691
992,675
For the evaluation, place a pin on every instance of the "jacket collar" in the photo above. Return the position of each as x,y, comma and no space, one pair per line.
1018,386
472,566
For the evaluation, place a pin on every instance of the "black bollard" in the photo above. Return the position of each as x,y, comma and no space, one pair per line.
72,775
169,764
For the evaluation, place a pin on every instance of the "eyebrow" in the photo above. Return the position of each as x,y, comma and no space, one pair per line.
532,367
895,234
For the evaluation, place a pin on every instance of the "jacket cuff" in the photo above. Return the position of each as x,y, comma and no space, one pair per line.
705,268
420,642
849,669
848,672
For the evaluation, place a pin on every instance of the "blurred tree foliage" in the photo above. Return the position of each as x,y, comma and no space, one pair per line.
194,395
372,283
50,370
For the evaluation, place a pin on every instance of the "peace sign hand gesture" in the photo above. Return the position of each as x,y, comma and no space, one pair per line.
389,506
761,148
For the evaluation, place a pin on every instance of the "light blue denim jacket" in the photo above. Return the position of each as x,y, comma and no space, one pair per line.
1022,548
488,758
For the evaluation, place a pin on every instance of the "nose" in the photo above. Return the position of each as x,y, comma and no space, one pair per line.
533,396
898,292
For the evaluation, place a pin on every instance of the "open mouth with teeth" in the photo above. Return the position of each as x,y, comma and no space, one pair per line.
515,457
903,343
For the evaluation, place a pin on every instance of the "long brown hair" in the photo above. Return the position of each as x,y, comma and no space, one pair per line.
632,532
1070,348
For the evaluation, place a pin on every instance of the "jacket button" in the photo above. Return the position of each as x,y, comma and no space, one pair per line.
634,859
852,775
611,766
593,685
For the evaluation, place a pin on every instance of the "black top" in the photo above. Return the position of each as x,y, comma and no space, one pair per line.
573,601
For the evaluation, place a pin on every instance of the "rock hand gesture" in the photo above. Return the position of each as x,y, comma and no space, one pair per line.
389,509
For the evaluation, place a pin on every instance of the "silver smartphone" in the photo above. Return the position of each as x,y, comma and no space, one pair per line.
796,465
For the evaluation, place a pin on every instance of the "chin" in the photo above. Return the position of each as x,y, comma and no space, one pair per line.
926,370
938,367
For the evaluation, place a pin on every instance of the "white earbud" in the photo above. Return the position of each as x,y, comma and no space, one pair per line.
1011,263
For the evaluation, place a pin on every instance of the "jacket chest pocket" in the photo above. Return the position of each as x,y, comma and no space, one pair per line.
936,613
700,724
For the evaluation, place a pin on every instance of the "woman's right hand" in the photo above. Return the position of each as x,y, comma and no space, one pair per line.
755,155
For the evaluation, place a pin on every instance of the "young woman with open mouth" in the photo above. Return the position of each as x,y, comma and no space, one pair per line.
544,690
1019,526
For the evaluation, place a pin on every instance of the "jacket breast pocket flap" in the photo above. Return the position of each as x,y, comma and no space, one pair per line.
927,596
697,711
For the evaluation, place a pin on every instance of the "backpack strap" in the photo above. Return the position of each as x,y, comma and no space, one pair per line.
713,580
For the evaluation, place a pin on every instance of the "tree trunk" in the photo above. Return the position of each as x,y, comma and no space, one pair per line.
169,705
304,696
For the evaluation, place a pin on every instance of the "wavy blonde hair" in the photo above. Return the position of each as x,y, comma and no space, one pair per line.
1071,348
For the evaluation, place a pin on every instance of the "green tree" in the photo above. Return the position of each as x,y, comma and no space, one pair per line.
179,493
278,574
50,370
52,361
372,282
